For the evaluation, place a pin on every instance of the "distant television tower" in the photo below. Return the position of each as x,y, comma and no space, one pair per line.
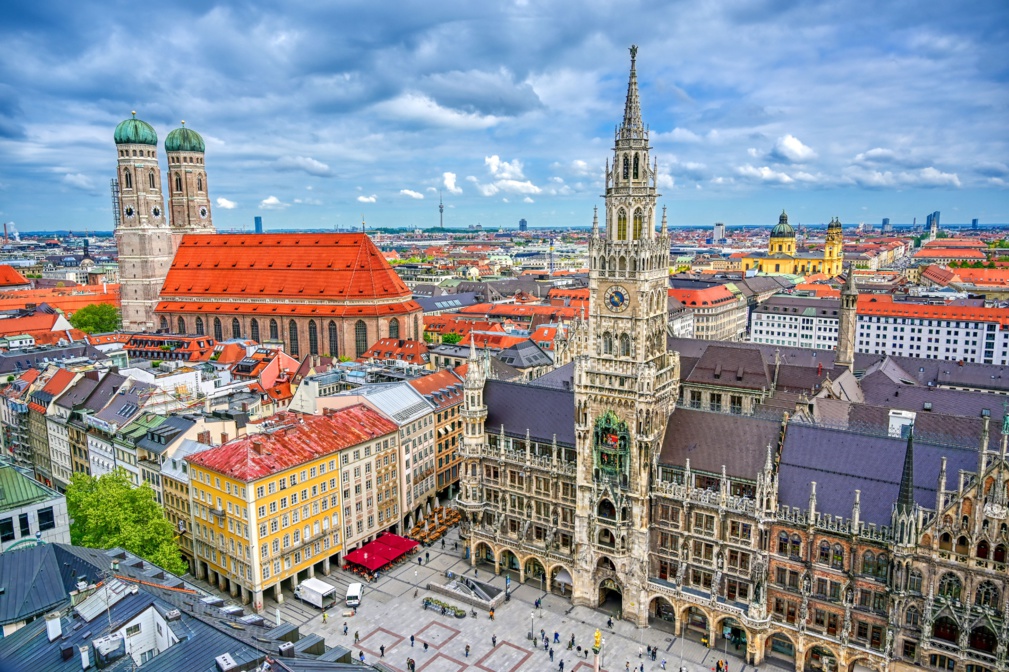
441,211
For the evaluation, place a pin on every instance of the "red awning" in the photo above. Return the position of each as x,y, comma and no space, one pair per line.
369,557
401,544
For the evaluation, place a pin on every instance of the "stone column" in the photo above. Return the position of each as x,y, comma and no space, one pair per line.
311,571
325,566
294,580
245,594
234,589
201,570
278,595
257,601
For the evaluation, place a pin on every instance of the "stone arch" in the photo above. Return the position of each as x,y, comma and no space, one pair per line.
533,569
606,538
662,613
163,323
611,594
606,509
505,557
605,563
481,551
945,542
127,179
622,263
780,645
740,634
821,653
696,619
625,345
865,662
982,549
946,628
983,638
561,580
182,325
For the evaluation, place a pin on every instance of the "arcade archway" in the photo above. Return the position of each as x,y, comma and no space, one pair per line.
662,614
611,597
781,647
821,659
535,574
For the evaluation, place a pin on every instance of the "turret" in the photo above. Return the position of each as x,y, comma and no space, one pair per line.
905,514
847,322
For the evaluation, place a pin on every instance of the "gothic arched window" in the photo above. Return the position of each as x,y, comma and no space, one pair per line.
914,581
625,345
127,179
621,224
199,326
635,166
824,556
881,565
236,328
987,595
254,329
199,183
182,325
218,330
150,179
837,557
292,332
627,171
869,563
607,343
911,617
274,331
950,586
178,182
982,549
164,323
360,338
394,328
638,224
334,349
313,338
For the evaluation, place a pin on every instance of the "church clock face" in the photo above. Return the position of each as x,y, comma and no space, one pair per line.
129,212
616,298
203,212
156,211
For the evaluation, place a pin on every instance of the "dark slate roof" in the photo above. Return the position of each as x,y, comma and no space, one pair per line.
104,392
879,390
951,373
37,579
544,411
170,429
734,367
524,355
78,393
562,378
711,440
126,406
22,360
841,462
446,302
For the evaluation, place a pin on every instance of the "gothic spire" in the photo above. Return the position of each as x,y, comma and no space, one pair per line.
632,126
849,288
905,498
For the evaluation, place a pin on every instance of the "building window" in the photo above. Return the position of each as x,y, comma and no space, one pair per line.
178,182
360,337
313,338
182,325
949,586
164,323
622,217
150,179
292,332
47,520
334,348
199,326
7,529
607,343
625,345
127,180
236,328
736,404
26,529
914,581
254,329
199,183
218,330
274,331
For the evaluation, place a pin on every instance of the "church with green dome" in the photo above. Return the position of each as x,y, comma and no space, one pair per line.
148,234
784,258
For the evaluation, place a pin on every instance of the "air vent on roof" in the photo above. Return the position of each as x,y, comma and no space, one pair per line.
225,662
173,615
287,650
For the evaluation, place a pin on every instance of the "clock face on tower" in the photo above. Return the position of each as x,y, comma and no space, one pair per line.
616,298
129,212
203,211
156,211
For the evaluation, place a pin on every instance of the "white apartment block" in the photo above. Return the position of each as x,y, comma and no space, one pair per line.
796,322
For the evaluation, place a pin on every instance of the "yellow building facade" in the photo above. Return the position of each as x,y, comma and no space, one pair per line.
266,509
783,257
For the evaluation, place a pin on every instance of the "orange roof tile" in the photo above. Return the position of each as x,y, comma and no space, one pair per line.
31,323
59,382
707,296
397,349
950,253
9,277
884,305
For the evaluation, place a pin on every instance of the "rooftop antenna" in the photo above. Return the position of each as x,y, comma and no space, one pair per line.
441,211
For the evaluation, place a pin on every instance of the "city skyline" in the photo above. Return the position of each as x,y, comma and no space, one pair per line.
507,111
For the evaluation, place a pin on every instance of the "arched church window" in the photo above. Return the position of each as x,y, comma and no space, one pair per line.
621,224
127,179
394,328
164,323
182,325
635,166
292,332
638,222
949,586
987,595
626,172
178,182
274,331
911,617
313,338
914,581
607,343
625,345
602,263
199,326
869,563
199,183
254,329
360,337
334,349
150,179
824,556
236,328
218,329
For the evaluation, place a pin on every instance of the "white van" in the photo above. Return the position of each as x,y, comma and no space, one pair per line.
354,592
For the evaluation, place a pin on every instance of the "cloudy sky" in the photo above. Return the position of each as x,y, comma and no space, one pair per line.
316,116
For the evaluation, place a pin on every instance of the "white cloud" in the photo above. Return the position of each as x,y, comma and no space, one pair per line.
78,181
665,181
790,148
226,204
764,174
683,135
419,108
504,170
509,178
308,201
411,193
305,163
752,151
448,179
931,177
876,179
367,199
272,203
528,200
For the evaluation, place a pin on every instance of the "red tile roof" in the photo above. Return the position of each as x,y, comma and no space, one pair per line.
9,277
298,440
59,382
709,296
884,305
326,267
443,388
950,253
397,350
32,323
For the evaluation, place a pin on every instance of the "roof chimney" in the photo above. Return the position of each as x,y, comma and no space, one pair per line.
54,628
224,437
257,445
204,437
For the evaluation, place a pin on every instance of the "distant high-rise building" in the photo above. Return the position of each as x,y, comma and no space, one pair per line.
523,225
886,228
973,224
259,224
719,232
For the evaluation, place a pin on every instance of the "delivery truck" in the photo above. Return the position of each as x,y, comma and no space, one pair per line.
316,592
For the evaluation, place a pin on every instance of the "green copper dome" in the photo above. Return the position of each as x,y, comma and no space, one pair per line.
783,229
184,140
133,131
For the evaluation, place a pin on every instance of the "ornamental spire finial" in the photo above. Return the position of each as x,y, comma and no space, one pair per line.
632,126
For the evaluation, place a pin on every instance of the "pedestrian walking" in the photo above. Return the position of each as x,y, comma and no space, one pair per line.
571,644
557,637
425,646
411,641
427,556
455,546
420,560
543,633
357,637
663,665
467,650
493,640
381,651
640,652
627,666
476,573
551,655
345,628
443,544
325,617
546,644
655,651
492,614
362,657
560,666
609,622
642,667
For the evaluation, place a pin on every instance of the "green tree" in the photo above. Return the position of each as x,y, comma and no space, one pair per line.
108,512
96,318
451,339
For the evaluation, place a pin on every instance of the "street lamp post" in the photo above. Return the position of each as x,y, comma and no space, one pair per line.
532,626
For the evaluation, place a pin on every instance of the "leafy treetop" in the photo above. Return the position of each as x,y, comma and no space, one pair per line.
96,318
